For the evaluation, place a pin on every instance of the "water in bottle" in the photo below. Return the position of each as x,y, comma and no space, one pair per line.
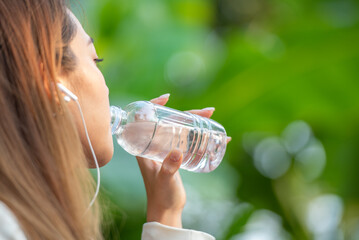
151,131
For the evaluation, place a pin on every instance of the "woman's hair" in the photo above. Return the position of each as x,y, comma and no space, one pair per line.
43,170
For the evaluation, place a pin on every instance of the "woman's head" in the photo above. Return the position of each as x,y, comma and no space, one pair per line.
42,164
87,82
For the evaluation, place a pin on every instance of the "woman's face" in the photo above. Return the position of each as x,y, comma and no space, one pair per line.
88,83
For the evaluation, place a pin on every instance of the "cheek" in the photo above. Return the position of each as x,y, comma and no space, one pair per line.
93,86
101,132
95,104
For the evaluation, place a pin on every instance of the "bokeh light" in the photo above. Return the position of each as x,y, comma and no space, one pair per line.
324,215
184,68
311,160
271,158
263,225
296,135
282,76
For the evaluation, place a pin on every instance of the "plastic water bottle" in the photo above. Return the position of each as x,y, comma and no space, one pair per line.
151,131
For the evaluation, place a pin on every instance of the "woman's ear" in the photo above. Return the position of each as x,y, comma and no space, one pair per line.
50,88
68,94
60,84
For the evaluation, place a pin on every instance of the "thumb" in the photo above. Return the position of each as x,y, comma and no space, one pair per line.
172,163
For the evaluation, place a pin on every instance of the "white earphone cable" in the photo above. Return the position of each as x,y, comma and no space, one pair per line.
94,157
68,97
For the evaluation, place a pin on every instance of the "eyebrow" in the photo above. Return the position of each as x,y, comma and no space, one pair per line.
90,41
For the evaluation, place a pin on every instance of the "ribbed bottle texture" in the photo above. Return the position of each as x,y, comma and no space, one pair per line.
151,131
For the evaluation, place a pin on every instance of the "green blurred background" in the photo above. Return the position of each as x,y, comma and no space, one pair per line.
283,77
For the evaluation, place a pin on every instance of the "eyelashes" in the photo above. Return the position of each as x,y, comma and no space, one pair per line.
98,60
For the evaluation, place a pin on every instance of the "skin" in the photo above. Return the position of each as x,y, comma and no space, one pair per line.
88,84
165,192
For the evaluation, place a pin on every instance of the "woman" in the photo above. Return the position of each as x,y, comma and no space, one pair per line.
45,188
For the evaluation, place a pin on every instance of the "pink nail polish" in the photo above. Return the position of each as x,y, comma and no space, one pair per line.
175,155
167,95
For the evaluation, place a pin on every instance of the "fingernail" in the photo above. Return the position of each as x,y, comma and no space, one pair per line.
209,108
229,139
175,155
167,95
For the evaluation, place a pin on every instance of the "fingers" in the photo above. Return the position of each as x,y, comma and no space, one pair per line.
147,166
205,112
172,163
147,163
161,100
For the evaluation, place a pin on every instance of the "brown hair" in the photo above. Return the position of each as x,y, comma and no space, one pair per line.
43,170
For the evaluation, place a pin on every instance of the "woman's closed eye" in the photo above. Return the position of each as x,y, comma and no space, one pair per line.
98,60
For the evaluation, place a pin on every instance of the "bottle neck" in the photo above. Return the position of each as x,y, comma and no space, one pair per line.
118,119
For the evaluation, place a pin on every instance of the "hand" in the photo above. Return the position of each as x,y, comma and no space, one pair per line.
166,196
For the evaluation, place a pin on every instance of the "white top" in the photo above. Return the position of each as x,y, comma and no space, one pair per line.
157,231
10,229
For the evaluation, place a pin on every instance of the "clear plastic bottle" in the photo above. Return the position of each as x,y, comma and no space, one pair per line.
151,131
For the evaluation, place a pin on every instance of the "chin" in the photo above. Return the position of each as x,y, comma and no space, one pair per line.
103,157
106,156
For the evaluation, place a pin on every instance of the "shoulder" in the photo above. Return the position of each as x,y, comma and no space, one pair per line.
9,226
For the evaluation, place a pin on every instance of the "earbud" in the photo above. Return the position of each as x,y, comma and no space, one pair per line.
69,94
